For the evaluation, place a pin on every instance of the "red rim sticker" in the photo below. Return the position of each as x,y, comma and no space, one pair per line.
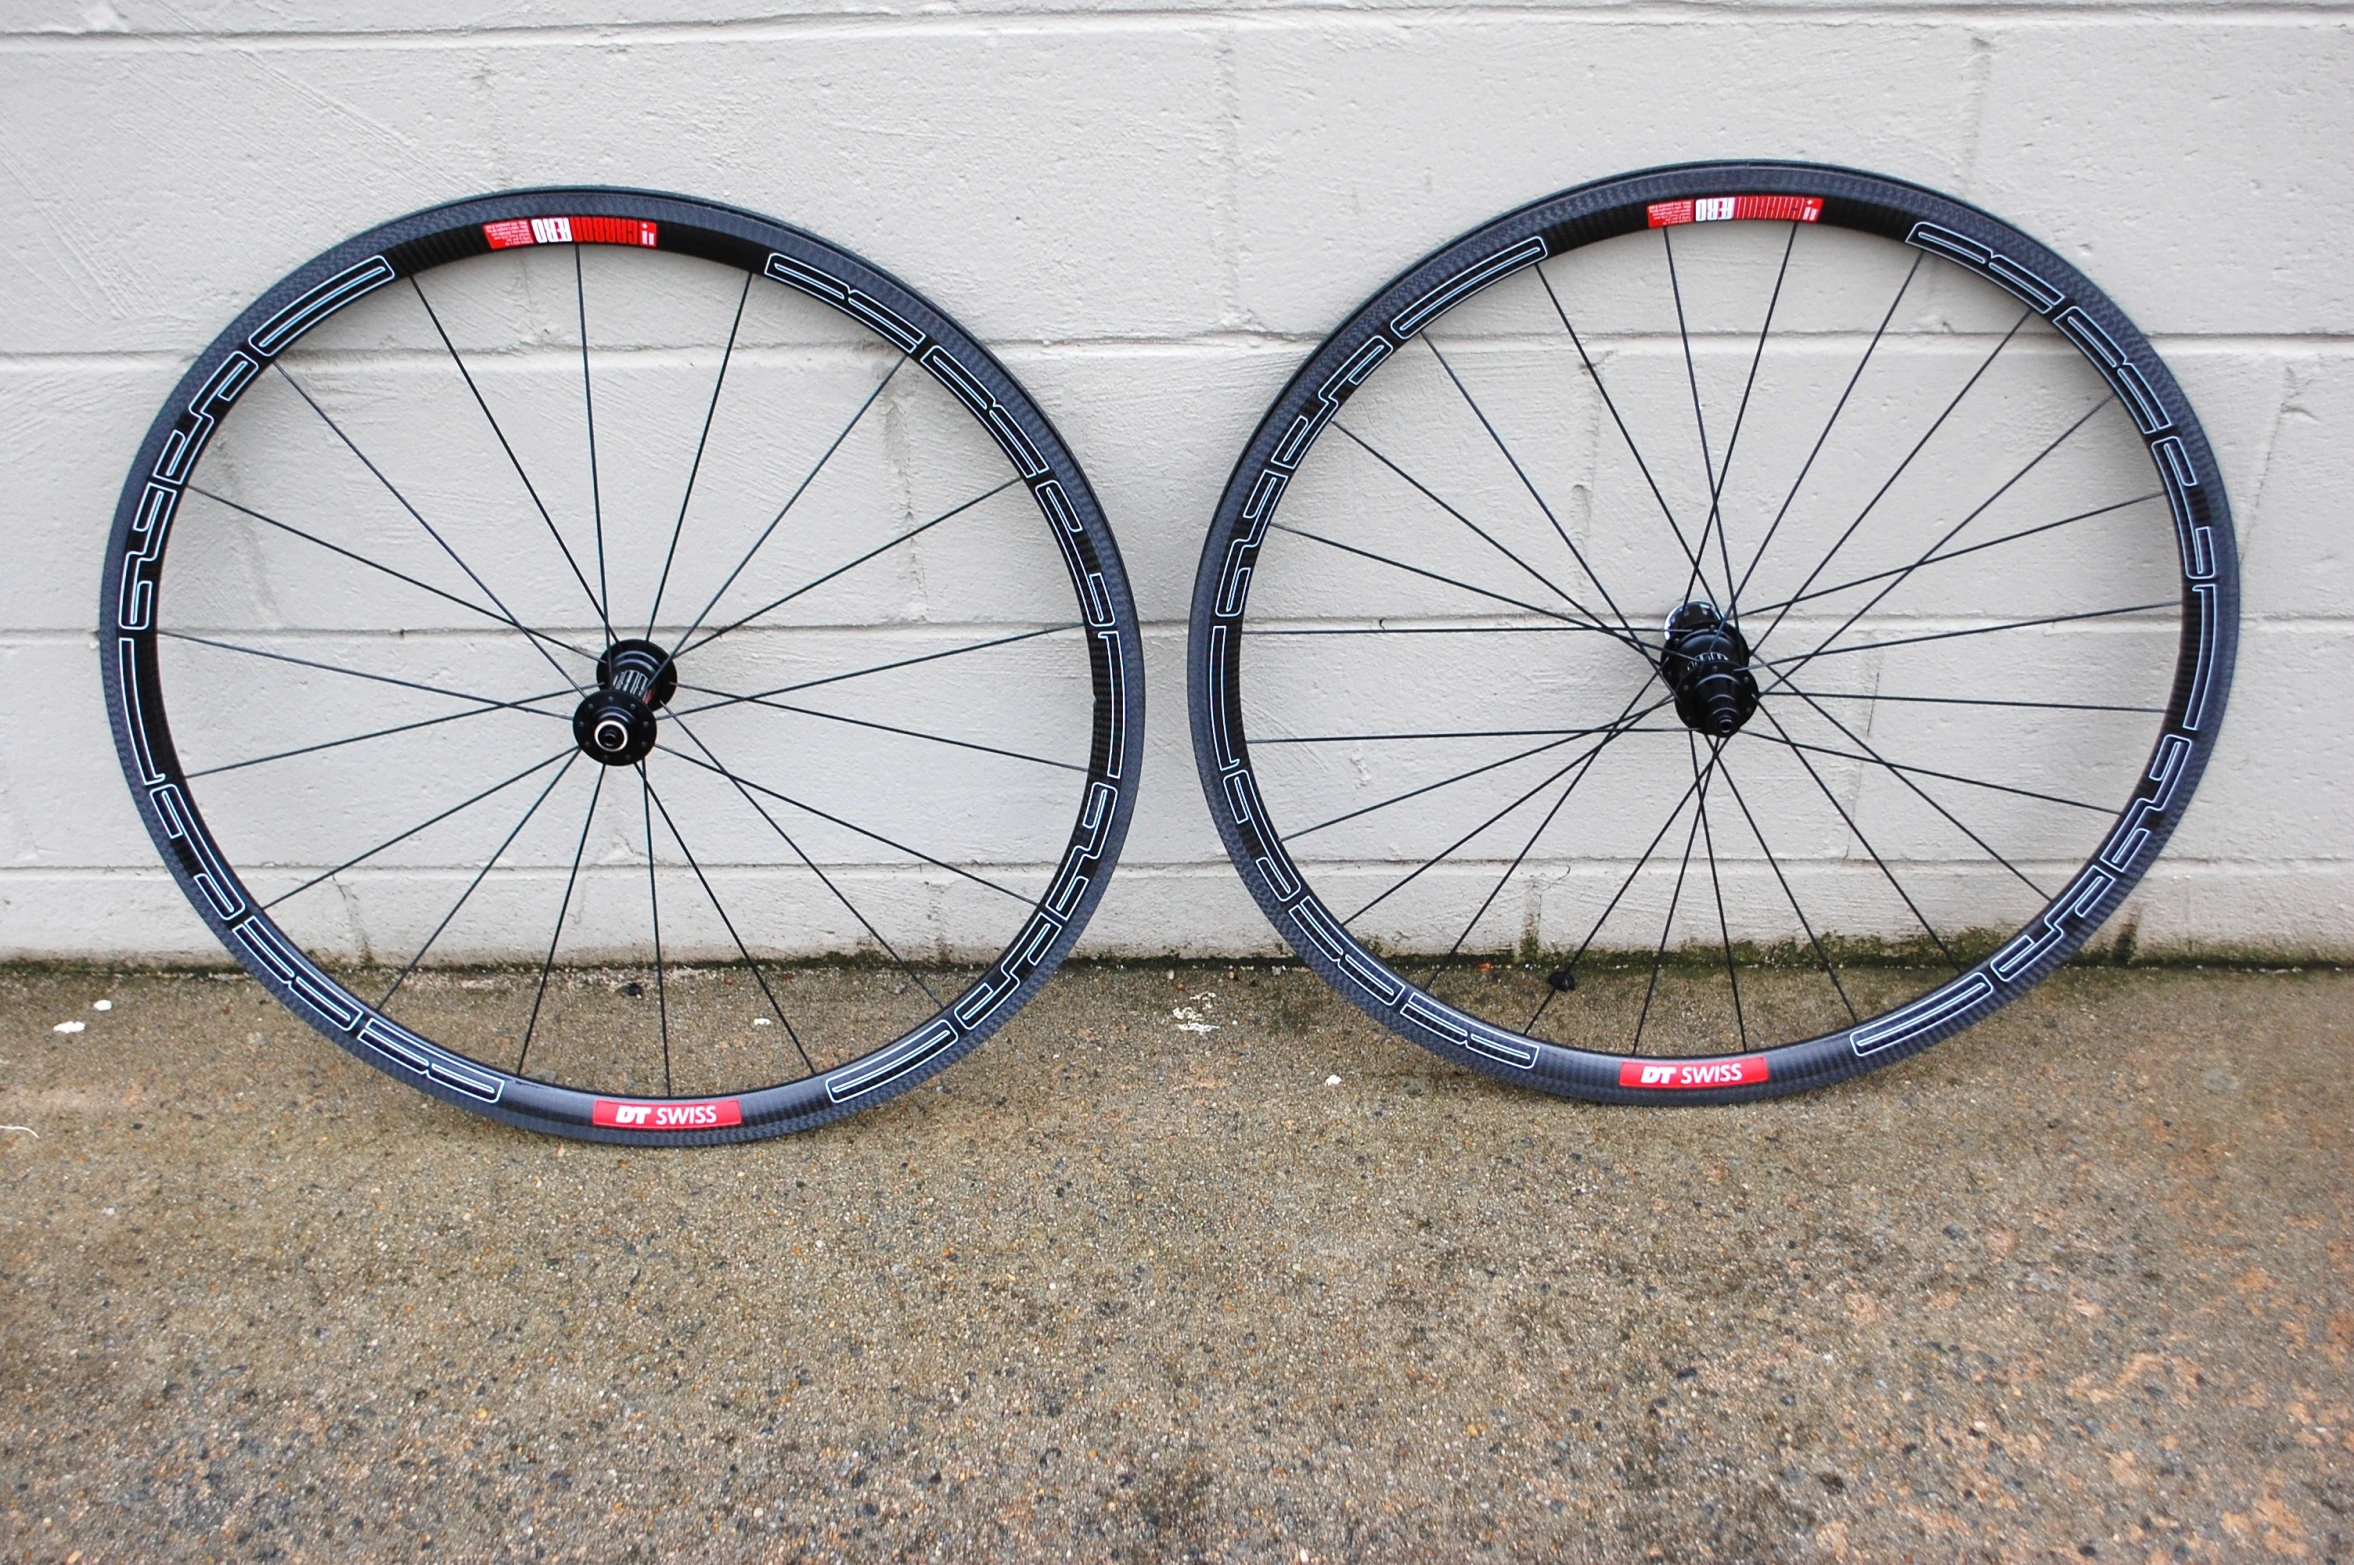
570,231
1736,209
1673,1074
706,1115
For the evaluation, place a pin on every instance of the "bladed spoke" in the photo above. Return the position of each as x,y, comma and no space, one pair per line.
467,604
712,763
416,515
539,995
1476,771
1905,574
888,728
1585,765
1829,970
431,820
718,702
784,510
1478,531
1716,882
513,460
1594,374
1628,637
479,875
1901,468
695,469
588,407
1849,821
1837,408
1528,484
524,705
1585,758
742,950
879,549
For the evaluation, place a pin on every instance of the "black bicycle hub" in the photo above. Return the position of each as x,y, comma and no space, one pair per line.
615,724
1706,664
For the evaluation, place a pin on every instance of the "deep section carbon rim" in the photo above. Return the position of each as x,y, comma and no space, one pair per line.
1710,571
634,669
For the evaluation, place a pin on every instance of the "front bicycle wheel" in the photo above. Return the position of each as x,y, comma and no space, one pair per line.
629,668
1722,569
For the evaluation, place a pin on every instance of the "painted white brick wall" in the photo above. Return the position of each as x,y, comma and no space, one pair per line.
1153,213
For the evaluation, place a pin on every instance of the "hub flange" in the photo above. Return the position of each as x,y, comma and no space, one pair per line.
615,724
1706,664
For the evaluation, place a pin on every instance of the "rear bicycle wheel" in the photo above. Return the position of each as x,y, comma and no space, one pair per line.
1712,632
629,668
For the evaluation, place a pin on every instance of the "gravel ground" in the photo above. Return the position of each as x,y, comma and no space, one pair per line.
2075,1285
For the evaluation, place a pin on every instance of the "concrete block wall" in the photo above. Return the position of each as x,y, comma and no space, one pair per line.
1153,213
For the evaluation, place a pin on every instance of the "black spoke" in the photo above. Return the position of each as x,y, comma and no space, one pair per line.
1829,424
479,875
1899,768
654,909
1586,758
1438,630
881,548
1904,574
467,604
1801,658
1841,810
711,762
1881,695
1594,373
790,501
696,468
1903,466
1668,924
1626,636
1529,846
742,950
1900,774
1528,484
1458,733
1482,533
1740,417
513,460
336,668
888,728
1955,554
588,408
1821,955
1521,755
418,516
1699,420
1611,907
523,705
875,668
1716,882
563,908
431,820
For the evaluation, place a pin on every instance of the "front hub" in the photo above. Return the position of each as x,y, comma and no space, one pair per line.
1706,664
615,724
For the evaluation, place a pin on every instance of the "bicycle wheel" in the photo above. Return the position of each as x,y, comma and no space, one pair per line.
1713,570
634,669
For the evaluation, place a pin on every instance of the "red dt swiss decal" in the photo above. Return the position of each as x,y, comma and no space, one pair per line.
1742,1072
1727,209
669,1116
570,231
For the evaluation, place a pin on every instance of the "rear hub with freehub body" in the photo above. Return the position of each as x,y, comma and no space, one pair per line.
1706,664
615,722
